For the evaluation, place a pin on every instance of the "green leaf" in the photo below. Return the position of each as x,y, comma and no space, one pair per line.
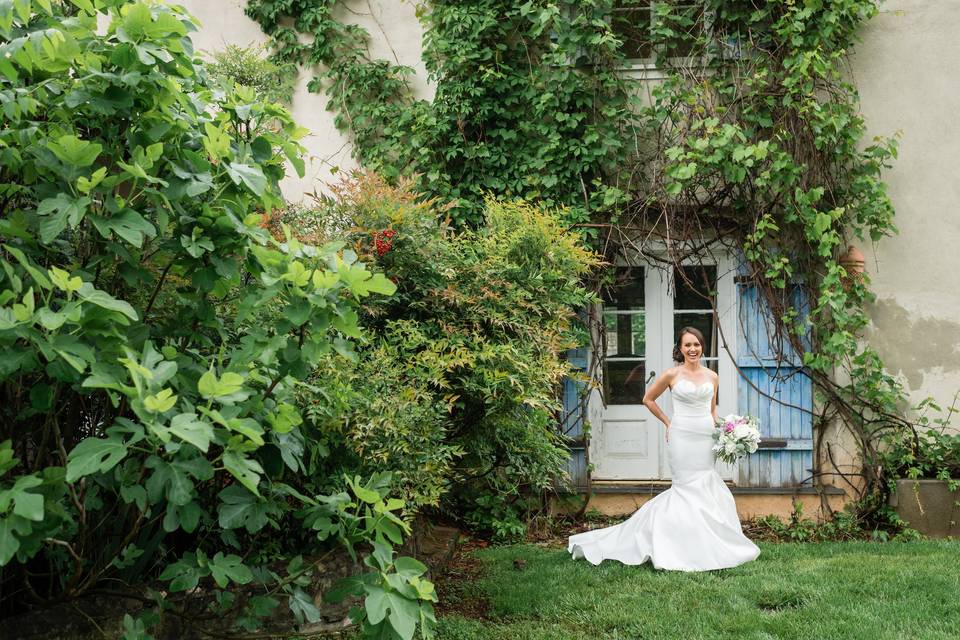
73,151
244,469
62,280
403,616
216,142
230,568
95,455
362,282
86,185
128,224
367,495
189,427
29,506
376,604
240,508
302,606
38,276
161,402
168,481
134,494
137,20
9,543
409,567
184,574
134,170
58,212
341,589
103,299
226,389
248,427
84,5
250,175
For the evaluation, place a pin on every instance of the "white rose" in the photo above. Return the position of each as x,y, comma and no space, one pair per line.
730,448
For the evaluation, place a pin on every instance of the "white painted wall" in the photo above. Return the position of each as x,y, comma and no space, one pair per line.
906,71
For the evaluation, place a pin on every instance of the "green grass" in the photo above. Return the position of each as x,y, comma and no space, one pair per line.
874,591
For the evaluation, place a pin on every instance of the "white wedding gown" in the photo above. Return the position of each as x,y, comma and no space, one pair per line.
692,526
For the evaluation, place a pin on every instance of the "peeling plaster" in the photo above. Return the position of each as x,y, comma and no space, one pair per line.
912,345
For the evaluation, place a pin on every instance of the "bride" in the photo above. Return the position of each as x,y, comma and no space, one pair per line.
693,526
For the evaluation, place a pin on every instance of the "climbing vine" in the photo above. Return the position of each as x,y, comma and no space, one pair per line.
748,138
528,99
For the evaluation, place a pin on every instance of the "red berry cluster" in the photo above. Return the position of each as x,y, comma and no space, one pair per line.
383,241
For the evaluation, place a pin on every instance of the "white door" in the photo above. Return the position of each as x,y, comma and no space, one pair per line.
627,442
640,318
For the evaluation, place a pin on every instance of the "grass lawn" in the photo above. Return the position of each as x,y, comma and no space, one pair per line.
852,590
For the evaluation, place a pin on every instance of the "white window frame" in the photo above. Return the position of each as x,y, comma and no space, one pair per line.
646,68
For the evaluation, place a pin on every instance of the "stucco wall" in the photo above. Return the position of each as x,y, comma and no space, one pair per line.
906,71
395,36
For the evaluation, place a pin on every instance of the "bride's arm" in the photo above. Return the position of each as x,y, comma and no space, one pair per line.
713,401
654,391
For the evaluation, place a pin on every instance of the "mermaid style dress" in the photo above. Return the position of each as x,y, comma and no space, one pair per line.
693,525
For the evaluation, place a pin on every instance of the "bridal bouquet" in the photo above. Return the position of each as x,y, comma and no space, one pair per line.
736,436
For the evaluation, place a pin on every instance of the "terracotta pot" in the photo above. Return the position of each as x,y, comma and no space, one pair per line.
929,506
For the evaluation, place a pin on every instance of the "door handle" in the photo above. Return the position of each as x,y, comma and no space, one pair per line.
652,375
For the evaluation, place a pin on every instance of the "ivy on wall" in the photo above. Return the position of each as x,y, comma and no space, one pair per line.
528,99
751,137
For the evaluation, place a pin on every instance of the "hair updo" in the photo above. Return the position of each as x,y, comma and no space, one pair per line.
696,333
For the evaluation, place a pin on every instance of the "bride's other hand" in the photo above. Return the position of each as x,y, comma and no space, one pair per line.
661,384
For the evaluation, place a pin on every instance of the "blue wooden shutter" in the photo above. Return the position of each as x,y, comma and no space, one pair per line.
779,394
571,420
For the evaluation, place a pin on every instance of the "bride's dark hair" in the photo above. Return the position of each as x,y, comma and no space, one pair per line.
696,333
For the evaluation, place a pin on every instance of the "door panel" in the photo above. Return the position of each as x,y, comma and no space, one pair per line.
626,439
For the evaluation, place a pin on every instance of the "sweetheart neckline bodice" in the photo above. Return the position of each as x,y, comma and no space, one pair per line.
692,401
708,382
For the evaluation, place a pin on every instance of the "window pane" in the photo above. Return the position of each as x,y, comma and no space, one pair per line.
624,381
699,291
702,321
626,292
631,24
625,334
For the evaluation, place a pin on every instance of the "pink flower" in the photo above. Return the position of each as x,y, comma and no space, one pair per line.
728,428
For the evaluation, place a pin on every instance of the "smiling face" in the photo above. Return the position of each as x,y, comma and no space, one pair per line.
691,348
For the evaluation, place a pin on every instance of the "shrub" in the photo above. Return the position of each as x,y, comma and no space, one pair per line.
249,66
478,327
154,334
931,450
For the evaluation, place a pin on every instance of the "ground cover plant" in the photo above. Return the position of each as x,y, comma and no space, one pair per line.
833,591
